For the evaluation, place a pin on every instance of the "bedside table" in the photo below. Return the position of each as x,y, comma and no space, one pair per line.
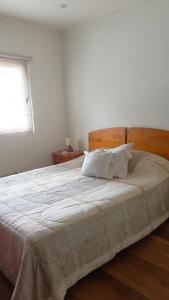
63,156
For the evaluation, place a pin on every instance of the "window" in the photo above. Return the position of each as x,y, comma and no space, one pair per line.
15,97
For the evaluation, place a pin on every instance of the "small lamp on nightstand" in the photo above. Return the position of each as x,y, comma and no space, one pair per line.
68,145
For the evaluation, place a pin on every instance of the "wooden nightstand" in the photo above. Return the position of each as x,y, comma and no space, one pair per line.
63,156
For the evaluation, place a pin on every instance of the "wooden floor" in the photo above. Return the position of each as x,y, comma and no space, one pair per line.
139,272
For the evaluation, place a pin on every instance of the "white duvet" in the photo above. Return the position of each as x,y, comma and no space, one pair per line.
56,225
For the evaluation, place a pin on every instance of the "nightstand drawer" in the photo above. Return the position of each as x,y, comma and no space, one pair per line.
63,156
59,160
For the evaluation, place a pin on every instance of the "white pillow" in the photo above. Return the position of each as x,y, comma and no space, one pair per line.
125,147
98,164
120,158
107,162
121,161
122,155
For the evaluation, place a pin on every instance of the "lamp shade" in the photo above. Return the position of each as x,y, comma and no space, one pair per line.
68,142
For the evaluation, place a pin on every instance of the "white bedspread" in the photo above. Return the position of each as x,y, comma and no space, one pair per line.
56,226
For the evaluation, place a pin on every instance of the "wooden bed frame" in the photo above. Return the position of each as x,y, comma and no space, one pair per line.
145,139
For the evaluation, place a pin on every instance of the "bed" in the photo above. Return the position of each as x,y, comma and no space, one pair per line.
56,226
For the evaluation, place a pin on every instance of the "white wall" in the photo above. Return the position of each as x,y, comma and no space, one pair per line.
117,70
28,151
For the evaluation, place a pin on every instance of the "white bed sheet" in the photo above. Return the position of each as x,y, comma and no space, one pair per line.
56,225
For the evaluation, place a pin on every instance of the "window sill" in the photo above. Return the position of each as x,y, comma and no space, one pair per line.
17,133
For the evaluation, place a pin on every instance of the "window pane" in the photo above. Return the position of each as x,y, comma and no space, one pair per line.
15,110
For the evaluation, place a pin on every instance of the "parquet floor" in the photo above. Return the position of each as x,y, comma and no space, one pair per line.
139,272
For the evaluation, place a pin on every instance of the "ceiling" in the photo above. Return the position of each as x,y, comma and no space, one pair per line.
50,13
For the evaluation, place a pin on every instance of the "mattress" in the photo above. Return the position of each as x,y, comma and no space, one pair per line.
56,225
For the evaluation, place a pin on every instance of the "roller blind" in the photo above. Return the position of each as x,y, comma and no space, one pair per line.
15,97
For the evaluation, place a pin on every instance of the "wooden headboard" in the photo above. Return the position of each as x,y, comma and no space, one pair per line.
146,139
105,138
150,139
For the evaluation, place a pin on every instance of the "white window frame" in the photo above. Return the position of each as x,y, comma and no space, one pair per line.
25,60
